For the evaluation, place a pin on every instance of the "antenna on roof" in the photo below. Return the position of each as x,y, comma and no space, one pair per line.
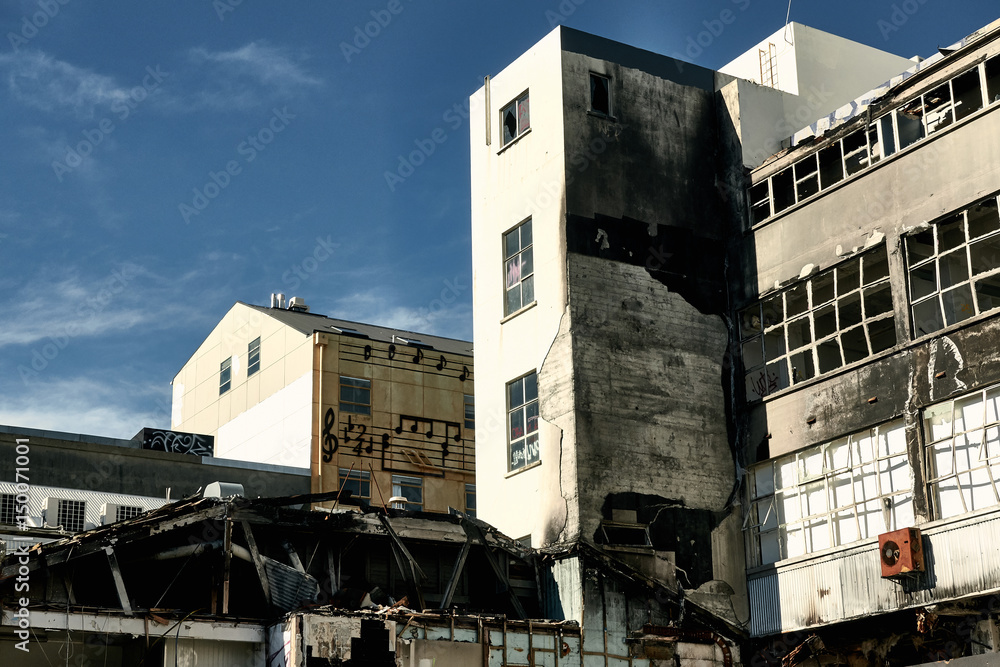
787,15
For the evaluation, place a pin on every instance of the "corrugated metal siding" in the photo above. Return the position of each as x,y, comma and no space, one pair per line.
210,653
94,499
562,591
962,559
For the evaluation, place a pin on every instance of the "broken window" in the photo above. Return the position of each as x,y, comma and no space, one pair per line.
760,202
515,119
909,122
783,189
831,165
358,482
519,269
963,453
938,108
253,356
952,267
837,317
830,495
806,178
600,94
71,515
522,421
410,488
225,376
968,93
355,395
855,152
992,68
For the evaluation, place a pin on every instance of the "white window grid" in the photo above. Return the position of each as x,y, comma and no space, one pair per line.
126,512
947,103
963,453
830,495
225,375
953,267
519,268
835,318
8,509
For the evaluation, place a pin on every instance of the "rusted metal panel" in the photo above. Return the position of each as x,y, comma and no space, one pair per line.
962,556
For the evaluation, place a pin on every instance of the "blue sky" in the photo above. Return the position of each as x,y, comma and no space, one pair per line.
164,160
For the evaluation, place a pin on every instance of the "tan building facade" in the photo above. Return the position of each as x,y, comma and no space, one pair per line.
380,412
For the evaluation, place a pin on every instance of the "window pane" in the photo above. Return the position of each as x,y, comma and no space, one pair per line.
517,424
882,334
782,187
528,290
531,415
919,246
600,99
923,281
875,266
983,218
513,302
753,355
774,344
988,293
825,321
984,254
525,234
909,122
992,79
508,120
856,152
849,309
799,333
937,108
951,232
806,178
530,387
953,268
516,393
829,356
750,323
760,202
527,266
878,300
822,288
958,304
831,166
802,366
513,271
523,121
938,421
854,344
796,300
848,276
968,93
511,243
927,317
772,311
531,450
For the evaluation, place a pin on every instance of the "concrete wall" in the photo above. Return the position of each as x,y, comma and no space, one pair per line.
509,184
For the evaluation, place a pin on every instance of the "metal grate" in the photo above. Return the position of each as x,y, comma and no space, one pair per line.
71,515
7,515
125,512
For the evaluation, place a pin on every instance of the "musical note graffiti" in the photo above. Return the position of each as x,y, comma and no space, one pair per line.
177,442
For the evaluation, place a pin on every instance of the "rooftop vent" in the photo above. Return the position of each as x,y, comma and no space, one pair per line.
222,490
277,300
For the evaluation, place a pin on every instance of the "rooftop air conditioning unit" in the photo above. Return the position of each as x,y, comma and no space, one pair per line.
298,304
901,552
114,512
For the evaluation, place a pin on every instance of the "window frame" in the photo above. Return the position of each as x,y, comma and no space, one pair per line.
225,375
781,332
529,437
469,401
610,99
363,478
355,406
989,444
524,255
515,106
883,481
401,482
961,254
470,492
253,356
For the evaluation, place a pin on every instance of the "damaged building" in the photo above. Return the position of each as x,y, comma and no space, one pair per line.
756,362
233,581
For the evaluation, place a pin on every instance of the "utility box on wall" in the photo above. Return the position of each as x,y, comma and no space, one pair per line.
901,552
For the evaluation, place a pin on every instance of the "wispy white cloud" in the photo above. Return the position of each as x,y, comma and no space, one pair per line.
38,80
85,406
382,306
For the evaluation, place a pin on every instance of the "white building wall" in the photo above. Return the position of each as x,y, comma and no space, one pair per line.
510,183
278,430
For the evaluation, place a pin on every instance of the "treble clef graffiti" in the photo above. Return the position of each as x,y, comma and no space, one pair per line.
330,441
